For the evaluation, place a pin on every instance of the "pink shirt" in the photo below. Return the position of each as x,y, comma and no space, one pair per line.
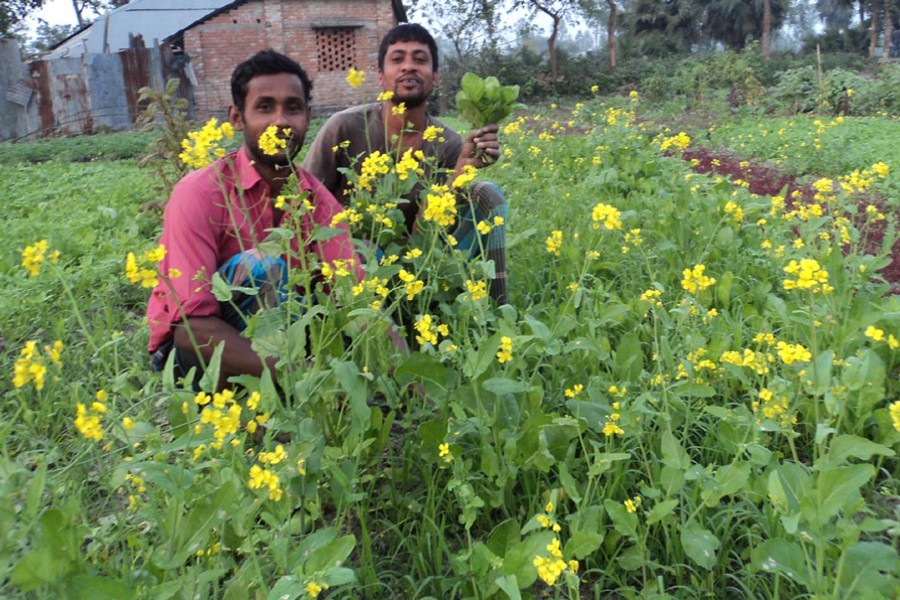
220,211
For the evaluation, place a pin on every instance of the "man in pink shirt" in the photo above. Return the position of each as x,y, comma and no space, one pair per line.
218,215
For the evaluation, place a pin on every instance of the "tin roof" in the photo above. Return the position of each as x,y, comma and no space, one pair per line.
154,20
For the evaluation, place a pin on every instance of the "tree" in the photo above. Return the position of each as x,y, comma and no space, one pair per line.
13,12
595,11
556,10
734,22
873,42
888,29
663,27
469,25
767,28
95,7
611,33
836,14
47,36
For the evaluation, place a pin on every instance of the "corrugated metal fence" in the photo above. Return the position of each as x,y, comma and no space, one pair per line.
91,93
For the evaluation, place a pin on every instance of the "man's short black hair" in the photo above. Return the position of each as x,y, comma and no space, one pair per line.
265,62
408,32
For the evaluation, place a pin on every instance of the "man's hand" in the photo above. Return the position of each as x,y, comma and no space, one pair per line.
480,148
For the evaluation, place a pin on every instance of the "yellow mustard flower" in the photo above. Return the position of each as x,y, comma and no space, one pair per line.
356,78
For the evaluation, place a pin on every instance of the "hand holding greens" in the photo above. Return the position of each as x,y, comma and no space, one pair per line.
485,101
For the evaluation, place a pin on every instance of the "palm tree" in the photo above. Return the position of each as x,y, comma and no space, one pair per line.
664,26
734,22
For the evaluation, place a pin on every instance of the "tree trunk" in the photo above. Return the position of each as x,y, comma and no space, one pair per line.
611,33
767,29
888,30
551,47
873,41
78,8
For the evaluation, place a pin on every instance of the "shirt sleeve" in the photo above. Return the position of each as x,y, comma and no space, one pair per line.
191,240
448,151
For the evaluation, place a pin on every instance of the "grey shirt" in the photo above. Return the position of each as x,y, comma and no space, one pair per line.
363,128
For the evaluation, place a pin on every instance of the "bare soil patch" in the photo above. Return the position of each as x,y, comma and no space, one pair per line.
765,179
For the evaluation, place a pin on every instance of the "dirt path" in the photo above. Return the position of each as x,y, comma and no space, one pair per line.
766,180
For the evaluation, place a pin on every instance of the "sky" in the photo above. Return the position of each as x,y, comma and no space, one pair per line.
55,12
60,12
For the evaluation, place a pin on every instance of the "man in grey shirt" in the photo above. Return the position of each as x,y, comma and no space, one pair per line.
408,68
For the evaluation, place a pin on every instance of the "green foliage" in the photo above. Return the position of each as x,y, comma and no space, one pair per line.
484,101
710,489
83,148
167,116
839,92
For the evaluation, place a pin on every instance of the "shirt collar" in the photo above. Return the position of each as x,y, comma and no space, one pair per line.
248,176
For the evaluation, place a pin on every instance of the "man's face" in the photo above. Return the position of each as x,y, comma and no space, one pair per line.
278,100
408,72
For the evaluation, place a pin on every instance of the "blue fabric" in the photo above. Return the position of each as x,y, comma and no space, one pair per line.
467,235
258,270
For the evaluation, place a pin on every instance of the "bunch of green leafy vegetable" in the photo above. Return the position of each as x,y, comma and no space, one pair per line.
485,101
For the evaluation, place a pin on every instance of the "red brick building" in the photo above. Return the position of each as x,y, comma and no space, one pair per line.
327,37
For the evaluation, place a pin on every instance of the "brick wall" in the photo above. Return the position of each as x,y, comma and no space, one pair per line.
217,45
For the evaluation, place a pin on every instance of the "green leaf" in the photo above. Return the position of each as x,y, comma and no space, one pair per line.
820,374
509,585
694,390
473,86
35,491
478,362
172,479
210,379
723,288
484,101
287,588
729,480
871,567
700,545
332,554
631,559
786,486
519,560
846,446
629,358
419,367
338,576
38,567
625,522
356,386
53,554
194,529
865,374
314,541
98,588
840,487
568,482
781,556
661,510
673,455
582,544
503,385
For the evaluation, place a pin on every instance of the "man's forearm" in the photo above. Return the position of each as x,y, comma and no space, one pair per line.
238,357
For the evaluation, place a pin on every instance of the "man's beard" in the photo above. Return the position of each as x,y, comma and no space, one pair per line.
280,161
412,101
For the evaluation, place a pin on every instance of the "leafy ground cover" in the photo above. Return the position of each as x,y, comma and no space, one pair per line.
693,393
